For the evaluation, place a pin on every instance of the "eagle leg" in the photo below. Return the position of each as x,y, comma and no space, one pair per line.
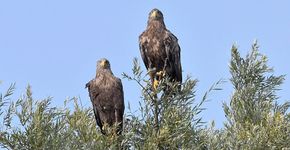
152,74
155,84
162,72
159,75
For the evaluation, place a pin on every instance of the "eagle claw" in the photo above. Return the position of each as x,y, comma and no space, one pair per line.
160,73
155,84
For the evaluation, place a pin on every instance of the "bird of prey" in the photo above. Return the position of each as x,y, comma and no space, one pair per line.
107,97
160,50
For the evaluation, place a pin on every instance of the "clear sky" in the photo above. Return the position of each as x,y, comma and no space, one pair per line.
54,45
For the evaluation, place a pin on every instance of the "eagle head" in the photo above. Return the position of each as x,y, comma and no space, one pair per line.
103,64
155,14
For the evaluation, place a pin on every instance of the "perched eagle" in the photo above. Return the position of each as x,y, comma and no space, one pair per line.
160,50
106,94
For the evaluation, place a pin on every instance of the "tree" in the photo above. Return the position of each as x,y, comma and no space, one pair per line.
255,120
35,124
176,115
168,118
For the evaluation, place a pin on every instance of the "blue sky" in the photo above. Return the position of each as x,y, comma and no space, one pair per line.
54,45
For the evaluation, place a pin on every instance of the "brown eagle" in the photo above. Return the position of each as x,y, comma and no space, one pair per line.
160,50
107,97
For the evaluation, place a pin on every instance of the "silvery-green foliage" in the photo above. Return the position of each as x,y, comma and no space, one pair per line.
167,118
36,124
255,119
176,124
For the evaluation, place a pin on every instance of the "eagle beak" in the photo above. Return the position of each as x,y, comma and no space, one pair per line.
103,63
154,14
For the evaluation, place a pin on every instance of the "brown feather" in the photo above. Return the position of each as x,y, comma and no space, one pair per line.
107,97
159,47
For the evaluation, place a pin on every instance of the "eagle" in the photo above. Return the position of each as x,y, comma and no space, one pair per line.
160,50
107,97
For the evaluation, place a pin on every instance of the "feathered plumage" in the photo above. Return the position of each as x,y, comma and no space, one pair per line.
107,97
159,49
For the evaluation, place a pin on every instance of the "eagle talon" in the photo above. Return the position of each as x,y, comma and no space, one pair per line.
155,84
160,73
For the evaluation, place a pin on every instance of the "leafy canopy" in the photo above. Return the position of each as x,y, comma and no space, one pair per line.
167,119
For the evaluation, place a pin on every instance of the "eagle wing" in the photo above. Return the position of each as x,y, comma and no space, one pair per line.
94,93
119,105
108,102
143,49
172,50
